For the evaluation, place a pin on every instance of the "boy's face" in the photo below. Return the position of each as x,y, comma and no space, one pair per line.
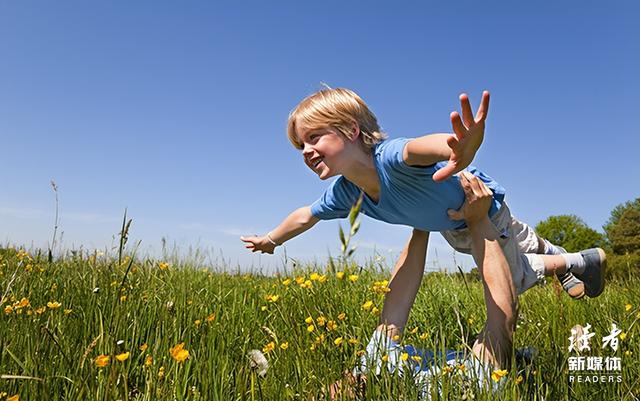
324,150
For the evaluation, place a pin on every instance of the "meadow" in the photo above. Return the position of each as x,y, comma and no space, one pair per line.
90,326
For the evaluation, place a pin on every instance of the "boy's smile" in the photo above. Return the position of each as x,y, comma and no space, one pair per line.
322,151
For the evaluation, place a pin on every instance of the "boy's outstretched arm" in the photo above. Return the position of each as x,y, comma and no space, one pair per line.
459,149
296,223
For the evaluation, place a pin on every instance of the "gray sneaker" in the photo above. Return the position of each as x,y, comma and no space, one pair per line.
593,276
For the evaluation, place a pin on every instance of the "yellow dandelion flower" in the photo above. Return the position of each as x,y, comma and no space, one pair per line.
68,311
284,345
462,367
331,325
447,369
404,356
424,336
367,305
15,397
311,328
8,309
342,316
354,341
179,353
269,347
286,282
148,361
338,341
102,360
123,357
498,374
53,305
623,335
385,358
24,302
123,298
321,320
308,320
340,275
322,278
314,276
360,353
211,317
396,338
143,347
272,298
263,308
299,280
307,284
375,310
161,373
353,278
417,358
628,307
519,379
413,331
628,353
163,265
198,322
41,310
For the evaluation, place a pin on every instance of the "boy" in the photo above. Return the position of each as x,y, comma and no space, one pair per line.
405,182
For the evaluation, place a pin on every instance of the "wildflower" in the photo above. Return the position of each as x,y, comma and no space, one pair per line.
340,275
41,310
446,370
163,265
404,356
299,280
462,367
321,320
198,322
258,362
623,335
519,379
284,345
123,357
161,373
310,328
375,310
314,276
628,353
396,338
338,341
353,341
54,305
385,358
23,303
211,317
8,309
123,298
381,287
286,282
353,278
15,397
68,311
628,307
102,360
272,298
342,316
322,278
179,353
263,308
417,358
148,361
498,374
269,347
319,340
413,331
143,347
424,336
308,320
367,305
307,284
331,325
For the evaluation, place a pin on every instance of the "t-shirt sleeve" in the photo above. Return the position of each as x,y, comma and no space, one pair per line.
336,201
392,156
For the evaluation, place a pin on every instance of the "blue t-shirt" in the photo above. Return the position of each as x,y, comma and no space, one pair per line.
408,195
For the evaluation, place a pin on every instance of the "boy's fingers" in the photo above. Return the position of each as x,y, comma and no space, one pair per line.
483,110
467,114
456,123
445,172
455,214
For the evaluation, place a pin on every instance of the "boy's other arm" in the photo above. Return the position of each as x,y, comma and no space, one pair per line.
296,223
459,149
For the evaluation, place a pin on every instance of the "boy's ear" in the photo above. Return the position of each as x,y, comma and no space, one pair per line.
355,130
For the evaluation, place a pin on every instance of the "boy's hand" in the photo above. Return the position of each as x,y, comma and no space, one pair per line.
468,136
477,200
256,243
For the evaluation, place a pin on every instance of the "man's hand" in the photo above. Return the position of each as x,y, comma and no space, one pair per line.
477,200
467,138
256,243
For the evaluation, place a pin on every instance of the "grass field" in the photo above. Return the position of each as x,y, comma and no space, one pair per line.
109,327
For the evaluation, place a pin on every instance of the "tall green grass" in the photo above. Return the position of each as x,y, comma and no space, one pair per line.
312,326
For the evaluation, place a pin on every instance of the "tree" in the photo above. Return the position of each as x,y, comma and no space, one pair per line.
570,232
623,228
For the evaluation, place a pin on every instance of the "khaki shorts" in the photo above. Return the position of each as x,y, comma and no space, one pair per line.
519,243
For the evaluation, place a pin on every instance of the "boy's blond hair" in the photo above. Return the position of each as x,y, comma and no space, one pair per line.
337,108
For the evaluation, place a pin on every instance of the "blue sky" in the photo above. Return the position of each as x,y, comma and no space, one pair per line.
177,112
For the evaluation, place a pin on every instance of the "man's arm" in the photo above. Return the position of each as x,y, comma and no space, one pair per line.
459,149
494,344
295,224
404,284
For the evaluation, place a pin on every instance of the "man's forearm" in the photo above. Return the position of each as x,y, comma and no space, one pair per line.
404,284
296,223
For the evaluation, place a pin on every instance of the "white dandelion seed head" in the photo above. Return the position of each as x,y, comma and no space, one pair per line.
258,362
